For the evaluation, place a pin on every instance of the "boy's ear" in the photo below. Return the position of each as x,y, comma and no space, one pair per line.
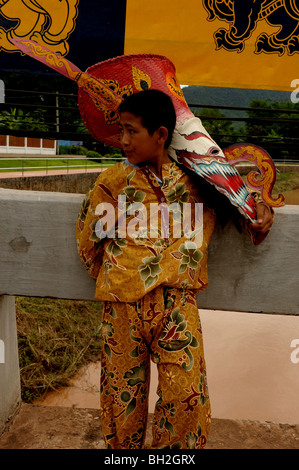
162,134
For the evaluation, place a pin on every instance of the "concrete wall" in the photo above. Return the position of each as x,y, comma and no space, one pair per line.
39,256
10,391
261,278
72,183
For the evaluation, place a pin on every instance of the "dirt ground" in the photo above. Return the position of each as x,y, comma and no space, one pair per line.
44,427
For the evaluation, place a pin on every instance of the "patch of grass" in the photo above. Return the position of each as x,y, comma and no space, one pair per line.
286,181
22,164
55,338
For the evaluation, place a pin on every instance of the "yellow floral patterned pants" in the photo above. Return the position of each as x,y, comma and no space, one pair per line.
164,327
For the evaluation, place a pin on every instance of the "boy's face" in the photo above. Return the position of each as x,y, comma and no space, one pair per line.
139,146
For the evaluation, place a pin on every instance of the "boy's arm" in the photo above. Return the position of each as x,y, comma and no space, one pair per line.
90,249
265,217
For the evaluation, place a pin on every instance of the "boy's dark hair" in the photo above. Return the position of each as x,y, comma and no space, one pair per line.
155,109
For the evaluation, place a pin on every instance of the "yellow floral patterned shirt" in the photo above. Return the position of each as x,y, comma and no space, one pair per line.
128,247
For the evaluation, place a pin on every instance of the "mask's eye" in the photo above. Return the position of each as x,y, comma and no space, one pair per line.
213,151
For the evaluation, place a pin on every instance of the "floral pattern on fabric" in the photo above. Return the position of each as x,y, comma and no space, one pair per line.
164,327
125,267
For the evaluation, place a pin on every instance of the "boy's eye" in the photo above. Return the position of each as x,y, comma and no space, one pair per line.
129,131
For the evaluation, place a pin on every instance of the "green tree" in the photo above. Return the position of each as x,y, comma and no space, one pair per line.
17,119
55,95
276,130
221,129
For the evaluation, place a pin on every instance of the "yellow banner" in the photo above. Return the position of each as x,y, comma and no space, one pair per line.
222,43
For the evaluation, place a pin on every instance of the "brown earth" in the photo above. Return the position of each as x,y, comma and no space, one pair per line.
44,427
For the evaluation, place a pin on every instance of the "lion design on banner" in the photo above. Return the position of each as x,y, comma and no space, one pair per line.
48,22
243,16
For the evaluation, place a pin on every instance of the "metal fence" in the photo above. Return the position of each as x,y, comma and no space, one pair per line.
65,165
54,115
74,164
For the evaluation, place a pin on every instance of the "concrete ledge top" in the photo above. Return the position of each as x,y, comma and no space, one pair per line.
38,256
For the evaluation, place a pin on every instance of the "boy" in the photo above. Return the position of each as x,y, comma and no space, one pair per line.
147,281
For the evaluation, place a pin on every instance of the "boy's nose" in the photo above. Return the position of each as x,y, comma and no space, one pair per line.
124,139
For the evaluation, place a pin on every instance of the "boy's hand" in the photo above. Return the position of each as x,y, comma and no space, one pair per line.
265,217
